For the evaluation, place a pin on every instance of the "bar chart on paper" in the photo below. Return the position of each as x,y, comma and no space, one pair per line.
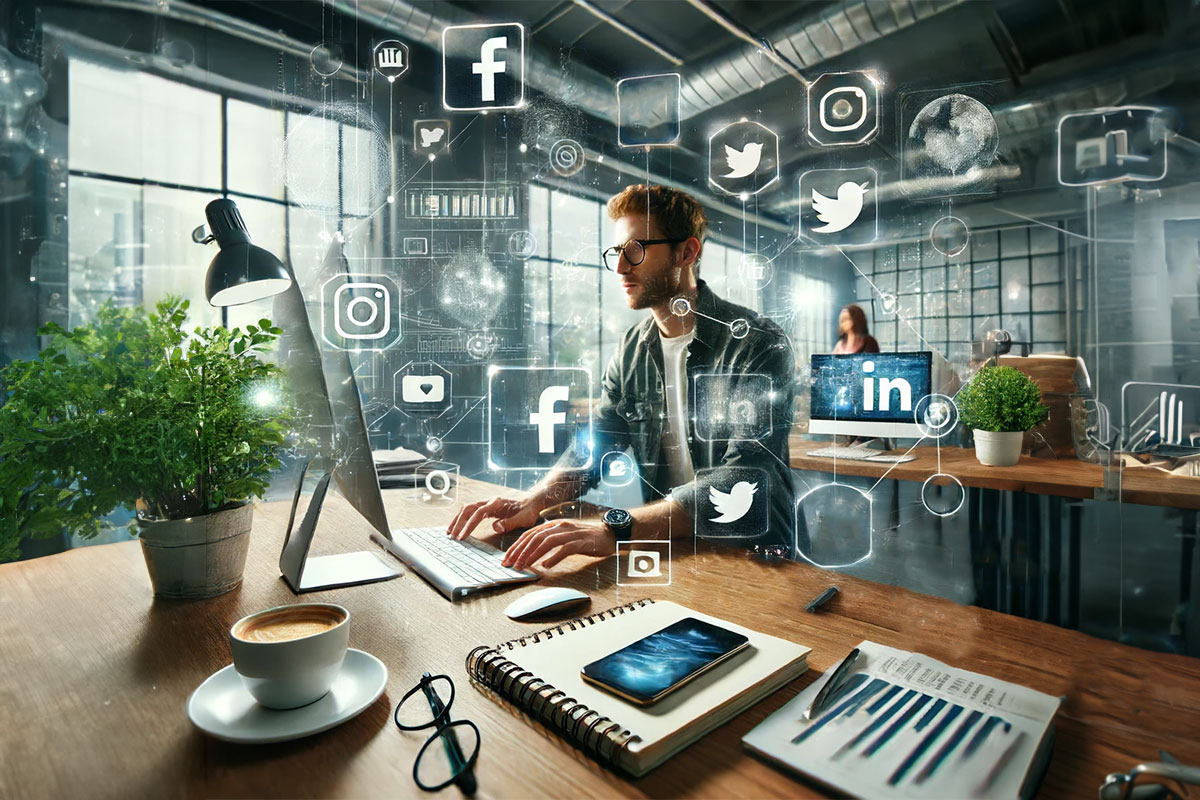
905,725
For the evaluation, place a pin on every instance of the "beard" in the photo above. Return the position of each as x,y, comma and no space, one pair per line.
657,289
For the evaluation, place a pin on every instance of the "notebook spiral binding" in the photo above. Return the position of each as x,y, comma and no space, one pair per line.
597,735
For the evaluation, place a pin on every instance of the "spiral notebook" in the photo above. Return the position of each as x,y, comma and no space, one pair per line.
540,674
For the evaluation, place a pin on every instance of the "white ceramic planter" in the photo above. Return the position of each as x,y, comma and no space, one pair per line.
998,448
189,559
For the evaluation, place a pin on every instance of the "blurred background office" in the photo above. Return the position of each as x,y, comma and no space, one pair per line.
123,118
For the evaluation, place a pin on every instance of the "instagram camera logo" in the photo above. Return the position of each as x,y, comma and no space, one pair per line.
359,312
644,563
843,108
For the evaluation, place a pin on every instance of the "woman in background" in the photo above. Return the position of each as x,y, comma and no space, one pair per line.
852,327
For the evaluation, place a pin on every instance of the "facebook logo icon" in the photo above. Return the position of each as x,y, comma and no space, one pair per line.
483,66
539,417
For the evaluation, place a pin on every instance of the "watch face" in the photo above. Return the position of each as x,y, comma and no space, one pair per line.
617,517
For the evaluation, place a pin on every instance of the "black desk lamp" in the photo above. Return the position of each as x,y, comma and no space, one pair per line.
241,272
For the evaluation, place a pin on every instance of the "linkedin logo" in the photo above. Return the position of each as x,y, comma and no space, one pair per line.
483,67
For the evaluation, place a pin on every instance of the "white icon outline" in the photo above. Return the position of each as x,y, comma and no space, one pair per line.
607,468
741,382
436,482
643,547
770,137
678,118
494,370
821,123
870,525
435,146
704,527
423,409
385,52
567,157
520,102
858,224
384,289
1102,112
962,498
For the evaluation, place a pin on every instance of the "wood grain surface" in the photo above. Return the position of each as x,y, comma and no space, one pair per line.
94,676
1064,477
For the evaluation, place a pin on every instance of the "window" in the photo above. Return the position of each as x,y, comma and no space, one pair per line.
146,158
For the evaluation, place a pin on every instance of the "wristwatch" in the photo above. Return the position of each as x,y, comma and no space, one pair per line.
620,522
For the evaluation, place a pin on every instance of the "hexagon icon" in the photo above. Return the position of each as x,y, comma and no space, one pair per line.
743,158
423,389
843,108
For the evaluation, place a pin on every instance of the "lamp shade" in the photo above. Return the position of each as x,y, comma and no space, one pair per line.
240,272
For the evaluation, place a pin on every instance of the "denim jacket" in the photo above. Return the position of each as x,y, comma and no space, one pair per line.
632,411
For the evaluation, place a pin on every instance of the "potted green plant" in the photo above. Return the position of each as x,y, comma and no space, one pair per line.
999,404
133,412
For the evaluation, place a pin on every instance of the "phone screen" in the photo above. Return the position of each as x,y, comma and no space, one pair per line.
650,667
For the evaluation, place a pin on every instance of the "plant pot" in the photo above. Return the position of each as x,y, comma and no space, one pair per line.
198,557
998,448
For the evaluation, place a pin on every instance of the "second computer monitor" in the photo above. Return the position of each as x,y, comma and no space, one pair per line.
868,394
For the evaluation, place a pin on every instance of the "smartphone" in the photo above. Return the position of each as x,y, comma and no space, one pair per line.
653,667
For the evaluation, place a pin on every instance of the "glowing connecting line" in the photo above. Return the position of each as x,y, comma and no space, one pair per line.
738,328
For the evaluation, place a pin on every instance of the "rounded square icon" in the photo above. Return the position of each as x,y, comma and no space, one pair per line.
838,206
436,482
648,110
731,502
483,66
743,158
390,59
843,108
431,135
733,408
644,562
539,417
423,389
360,312
617,469
1105,145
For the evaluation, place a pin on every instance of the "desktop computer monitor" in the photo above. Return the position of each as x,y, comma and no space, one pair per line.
868,394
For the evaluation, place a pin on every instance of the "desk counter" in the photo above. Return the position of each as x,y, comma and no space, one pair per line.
94,674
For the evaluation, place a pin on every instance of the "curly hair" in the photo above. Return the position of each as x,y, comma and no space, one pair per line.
678,214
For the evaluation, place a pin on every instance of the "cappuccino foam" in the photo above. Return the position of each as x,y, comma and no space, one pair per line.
288,624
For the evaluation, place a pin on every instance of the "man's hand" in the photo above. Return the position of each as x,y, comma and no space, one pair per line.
509,515
589,537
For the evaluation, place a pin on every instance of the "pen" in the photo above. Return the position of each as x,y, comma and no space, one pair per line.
821,599
839,674
464,777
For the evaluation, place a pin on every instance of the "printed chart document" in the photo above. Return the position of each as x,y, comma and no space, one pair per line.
905,725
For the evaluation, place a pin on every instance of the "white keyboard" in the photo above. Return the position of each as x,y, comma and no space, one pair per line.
861,454
454,567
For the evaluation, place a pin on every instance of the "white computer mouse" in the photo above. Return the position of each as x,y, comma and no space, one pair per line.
544,601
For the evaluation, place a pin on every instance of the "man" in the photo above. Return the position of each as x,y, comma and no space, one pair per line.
646,392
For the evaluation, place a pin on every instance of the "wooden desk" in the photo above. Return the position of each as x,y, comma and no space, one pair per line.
1061,478
94,675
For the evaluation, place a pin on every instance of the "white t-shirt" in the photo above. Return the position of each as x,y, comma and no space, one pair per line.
675,453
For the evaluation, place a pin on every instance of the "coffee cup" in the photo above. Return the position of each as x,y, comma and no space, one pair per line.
289,656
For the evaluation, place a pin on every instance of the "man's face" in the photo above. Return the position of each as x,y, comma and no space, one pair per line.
656,280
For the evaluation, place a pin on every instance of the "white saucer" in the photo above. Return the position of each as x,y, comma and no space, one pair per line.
222,708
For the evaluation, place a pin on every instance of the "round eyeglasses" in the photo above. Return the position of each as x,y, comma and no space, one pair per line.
452,749
634,251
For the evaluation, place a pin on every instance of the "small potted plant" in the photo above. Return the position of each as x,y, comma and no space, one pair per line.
1000,404
133,412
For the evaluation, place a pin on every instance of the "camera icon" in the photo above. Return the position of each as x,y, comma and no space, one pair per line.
362,310
843,108
644,563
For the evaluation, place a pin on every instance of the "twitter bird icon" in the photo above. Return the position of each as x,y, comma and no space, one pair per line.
732,505
844,208
743,158
743,162
840,213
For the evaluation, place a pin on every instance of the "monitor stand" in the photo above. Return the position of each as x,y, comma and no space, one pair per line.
304,574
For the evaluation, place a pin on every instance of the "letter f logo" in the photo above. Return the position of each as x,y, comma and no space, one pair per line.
546,417
487,67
